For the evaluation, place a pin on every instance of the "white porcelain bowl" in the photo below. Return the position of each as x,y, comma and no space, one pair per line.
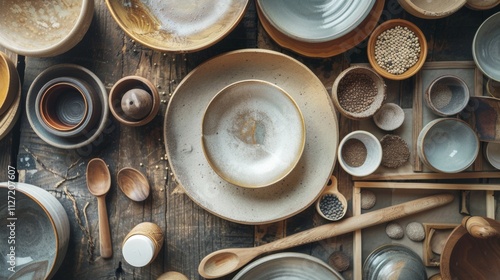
447,145
41,231
373,153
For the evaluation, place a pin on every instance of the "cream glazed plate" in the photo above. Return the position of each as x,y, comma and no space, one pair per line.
315,21
253,133
183,131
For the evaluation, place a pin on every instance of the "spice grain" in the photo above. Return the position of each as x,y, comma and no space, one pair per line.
331,207
395,151
356,92
354,152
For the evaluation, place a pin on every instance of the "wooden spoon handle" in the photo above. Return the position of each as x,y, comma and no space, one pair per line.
358,222
479,227
104,233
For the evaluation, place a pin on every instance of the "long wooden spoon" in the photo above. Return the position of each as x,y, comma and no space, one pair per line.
98,183
223,262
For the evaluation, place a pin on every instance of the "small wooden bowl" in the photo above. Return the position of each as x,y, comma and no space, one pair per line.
9,82
378,99
388,25
133,184
431,9
124,85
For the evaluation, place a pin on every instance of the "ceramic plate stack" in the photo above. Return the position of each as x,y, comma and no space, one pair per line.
320,28
10,95
204,103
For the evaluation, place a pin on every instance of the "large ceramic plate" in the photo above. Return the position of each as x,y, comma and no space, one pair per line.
177,25
486,47
253,133
183,133
315,21
288,266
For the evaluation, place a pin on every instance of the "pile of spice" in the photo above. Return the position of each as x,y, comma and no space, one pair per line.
331,207
395,151
354,152
397,49
441,96
356,92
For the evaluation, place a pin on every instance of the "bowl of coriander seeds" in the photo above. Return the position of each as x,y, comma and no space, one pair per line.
397,49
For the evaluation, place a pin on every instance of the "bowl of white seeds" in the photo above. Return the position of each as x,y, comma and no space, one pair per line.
397,49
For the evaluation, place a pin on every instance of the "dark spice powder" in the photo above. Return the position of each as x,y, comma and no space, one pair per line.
395,151
354,152
356,92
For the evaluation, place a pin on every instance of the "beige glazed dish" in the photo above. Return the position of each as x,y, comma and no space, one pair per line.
432,9
177,26
283,199
253,133
44,28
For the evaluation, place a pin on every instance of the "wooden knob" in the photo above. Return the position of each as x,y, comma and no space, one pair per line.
479,227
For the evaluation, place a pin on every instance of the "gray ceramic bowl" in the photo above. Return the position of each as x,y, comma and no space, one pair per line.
290,266
486,47
447,145
394,262
447,95
75,71
42,231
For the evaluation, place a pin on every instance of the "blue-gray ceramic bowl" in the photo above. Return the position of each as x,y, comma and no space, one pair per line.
486,47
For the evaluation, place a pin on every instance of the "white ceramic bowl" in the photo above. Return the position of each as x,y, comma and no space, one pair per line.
447,95
492,154
373,153
389,117
44,28
447,145
431,9
486,47
253,133
41,231
315,21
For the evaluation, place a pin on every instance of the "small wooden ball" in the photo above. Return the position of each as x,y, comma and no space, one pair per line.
172,275
368,199
339,260
394,230
137,103
415,231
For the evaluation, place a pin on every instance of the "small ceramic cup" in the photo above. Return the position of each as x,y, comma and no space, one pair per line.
492,154
66,107
389,117
447,95
142,244
360,153
493,88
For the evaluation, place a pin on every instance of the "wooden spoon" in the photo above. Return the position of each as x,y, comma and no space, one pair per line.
98,183
331,189
225,261
133,183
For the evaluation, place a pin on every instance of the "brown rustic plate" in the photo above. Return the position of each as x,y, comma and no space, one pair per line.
177,26
182,134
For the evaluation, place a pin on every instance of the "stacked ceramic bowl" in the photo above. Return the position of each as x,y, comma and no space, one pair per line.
320,28
257,125
10,95
67,106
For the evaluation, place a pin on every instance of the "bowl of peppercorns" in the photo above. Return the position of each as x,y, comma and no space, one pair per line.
358,92
397,49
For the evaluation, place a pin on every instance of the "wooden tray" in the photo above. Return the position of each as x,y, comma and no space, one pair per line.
418,116
396,192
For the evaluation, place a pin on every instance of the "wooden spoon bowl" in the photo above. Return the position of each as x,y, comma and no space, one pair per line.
331,191
133,183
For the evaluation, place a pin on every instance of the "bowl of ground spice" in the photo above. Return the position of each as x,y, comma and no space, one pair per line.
360,153
397,49
358,92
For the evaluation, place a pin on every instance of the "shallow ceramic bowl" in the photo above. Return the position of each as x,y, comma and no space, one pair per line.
492,154
288,265
480,5
389,25
9,82
41,231
67,107
486,47
431,9
98,91
373,153
43,29
177,26
121,87
315,21
389,117
253,133
377,100
447,95
395,262
447,145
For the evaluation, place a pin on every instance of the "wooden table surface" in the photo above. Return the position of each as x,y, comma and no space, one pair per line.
190,232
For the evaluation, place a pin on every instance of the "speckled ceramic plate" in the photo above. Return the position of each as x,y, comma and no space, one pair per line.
253,133
182,134
177,25
288,266
317,20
